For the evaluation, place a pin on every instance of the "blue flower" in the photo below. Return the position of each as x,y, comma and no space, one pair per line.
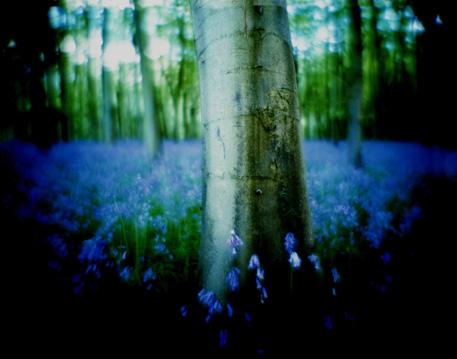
216,307
209,300
235,242
206,297
232,279
386,258
314,259
328,322
260,273
149,275
125,274
183,311
263,295
223,338
335,275
229,310
289,243
247,317
93,250
295,260
254,262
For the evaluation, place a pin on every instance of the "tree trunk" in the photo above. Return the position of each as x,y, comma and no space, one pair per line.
67,92
253,167
151,134
107,83
92,83
355,85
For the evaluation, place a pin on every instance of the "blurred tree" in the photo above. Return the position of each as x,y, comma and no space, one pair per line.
355,84
253,169
151,129
107,80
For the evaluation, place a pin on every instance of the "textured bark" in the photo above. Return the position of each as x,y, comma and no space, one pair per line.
151,134
253,167
355,85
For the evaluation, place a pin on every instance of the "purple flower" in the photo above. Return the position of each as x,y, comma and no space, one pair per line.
247,317
223,338
93,250
260,273
254,262
258,283
314,259
232,279
328,323
289,243
216,307
229,310
183,311
149,275
335,276
235,242
206,297
386,258
295,260
125,274
263,295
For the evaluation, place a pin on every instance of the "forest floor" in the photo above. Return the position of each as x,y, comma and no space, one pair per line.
101,247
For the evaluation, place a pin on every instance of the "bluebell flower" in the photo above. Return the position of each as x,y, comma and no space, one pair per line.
232,279
93,250
125,274
386,258
247,317
183,311
314,259
258,283
149,275
229,310
160,247
206,297
216,307
335,275
295,260
289,243
254,262
263,295
235,242
328,322
223,338
260,273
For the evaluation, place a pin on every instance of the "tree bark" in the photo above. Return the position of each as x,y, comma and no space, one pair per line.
151,134
253,166
355,85
107,83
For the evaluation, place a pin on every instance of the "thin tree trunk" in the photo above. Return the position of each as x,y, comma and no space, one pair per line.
107,83
92,83
151,134
355,85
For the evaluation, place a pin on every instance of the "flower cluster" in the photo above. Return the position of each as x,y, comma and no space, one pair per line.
289,244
